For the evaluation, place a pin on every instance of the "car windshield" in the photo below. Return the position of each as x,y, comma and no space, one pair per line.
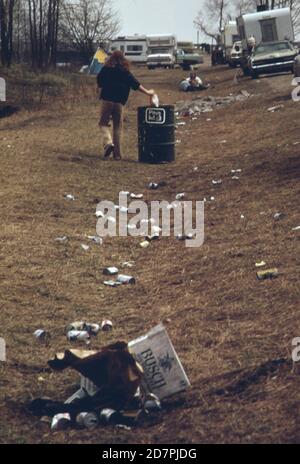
272,48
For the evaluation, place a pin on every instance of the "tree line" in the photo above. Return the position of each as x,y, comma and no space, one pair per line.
216,13
31,30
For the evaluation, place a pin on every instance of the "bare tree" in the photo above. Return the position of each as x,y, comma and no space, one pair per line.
88,23
6,30
210,20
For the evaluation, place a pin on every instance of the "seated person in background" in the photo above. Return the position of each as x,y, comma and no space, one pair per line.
193,83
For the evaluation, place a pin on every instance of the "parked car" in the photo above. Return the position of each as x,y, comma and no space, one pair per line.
297,66
272,57
235,55
161,60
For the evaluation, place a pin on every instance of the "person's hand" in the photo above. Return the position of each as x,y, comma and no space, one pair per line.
151,92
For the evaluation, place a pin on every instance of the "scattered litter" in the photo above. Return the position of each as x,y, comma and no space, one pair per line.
195,168
152,403
180,196
217,182
242,216
261,264
212,198
182,237
110,271
151,238
275,108
69,197
296,228
62,239
138,196
145,244
153,186
236,171
95,239
278,216
296,143
78,336
182,123
87,420
112,283
223,141
128,264
245,93
85,247
155,101
177,141
124,279
41,335
106,326
267,274
235,178
81,326
61,422
123,427
208,104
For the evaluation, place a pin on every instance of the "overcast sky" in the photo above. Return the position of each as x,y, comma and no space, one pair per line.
159,16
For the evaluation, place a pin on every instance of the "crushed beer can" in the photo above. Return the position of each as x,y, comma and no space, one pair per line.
87,420
181,237
95,239
124,279
106,325
268,274
62,239
152,403
217,182
261,264
110,271
78,336
180,196
112,283
69,197
278,216
138,196
145,244
41,335
153,186
60,422
110,416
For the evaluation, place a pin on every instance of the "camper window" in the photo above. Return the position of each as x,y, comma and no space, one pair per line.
268,30
134,48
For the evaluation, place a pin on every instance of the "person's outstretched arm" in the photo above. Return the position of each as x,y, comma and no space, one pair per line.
150,92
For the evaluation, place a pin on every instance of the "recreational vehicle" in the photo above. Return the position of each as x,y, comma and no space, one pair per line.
134,47
229,36
161,51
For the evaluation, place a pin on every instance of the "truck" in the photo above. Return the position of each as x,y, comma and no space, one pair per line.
161,51
229,36
134,47
187,55
269,26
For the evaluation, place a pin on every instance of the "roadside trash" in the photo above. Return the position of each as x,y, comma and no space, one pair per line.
212,198
181,237
296,228
155,353
153,186
245,93
217,182
145,244
138,196
267,274
41,335
60,422
62,239
95,239
69,197
106,326
110,271
236,171
78,336
112,283
278,216
81,326
85,247
242,216
223,141
195,169
261,264
125,280
152,403
235,178
153,237
87,420
128,264
110,416
182,123
180,196
275,108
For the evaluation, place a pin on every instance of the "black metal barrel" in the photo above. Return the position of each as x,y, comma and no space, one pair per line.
156,129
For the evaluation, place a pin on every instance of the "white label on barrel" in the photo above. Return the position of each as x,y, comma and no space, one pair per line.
155,115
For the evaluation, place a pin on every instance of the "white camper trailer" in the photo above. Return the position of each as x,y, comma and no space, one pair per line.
161,50
134,47
229,36
266,26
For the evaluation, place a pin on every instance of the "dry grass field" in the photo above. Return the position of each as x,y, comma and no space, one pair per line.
232,333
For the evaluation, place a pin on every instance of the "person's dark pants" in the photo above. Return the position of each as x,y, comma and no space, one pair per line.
115,111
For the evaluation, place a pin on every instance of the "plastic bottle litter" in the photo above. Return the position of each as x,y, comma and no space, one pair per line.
60,422
109,271
152,403
110,416
138,196
124,279
87,420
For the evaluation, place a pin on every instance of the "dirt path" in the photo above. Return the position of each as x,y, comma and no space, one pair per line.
232,333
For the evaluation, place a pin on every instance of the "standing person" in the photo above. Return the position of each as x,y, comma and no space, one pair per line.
115,81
